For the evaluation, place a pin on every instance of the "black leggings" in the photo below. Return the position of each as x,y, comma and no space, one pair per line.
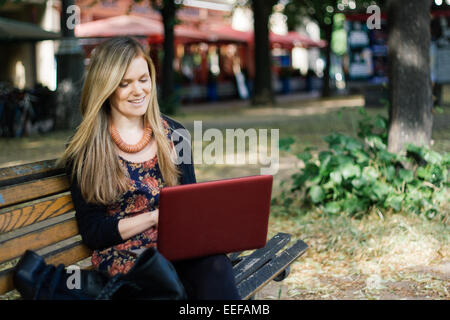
208,278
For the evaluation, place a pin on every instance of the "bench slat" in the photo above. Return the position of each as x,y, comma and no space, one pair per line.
29,213
33,190
234,255
67,255
268,272
257,258
13,247
26,172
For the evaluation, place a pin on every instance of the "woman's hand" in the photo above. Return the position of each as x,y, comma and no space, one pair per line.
129,227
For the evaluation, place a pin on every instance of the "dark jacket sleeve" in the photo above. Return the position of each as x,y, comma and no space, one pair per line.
187,169
98,229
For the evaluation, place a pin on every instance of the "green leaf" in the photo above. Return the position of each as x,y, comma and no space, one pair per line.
431,213
406,175
362,111
332,207
305,156
349,170
316,194
361,156
336,177
446,159
431,173
424,173
370,173
352,144
310,148
386,156
342,159
376,142
336,142
389,173
397,182
285,143
437,174
432,157
332,139
358,183
311,170
380,190
354,204
413,148
413,195
324,155
299,180
394,201
316,179
381,122
325,165
329,185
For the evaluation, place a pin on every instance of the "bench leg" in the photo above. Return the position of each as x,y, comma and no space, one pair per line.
283,274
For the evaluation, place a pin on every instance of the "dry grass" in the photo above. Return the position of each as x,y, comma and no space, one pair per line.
399,256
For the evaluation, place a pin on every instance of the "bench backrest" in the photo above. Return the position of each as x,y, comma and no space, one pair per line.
36,212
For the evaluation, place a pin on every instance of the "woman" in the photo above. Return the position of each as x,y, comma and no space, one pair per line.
119,159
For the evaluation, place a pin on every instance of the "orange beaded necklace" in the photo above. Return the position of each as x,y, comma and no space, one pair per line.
131,148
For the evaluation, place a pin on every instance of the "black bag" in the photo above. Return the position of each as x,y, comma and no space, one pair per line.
152,277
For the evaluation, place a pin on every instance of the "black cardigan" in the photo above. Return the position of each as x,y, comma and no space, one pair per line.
98,229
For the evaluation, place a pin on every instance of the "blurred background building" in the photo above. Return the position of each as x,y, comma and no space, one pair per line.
213,47
213,43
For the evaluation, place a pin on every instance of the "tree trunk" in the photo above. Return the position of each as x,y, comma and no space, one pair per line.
262,88
168,101
410,91
328,28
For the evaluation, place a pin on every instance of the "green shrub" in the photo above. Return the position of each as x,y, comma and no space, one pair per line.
355,175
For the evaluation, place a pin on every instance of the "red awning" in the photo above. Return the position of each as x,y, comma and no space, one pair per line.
120,26
225,33
184,34
132,25
154,30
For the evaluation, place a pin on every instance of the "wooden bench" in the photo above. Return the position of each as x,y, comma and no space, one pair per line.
36,213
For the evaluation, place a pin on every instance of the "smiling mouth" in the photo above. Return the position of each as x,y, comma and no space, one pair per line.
137,101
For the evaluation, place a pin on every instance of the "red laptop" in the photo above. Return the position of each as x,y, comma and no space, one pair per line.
214,217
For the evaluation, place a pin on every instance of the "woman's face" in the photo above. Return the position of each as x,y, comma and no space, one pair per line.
132,96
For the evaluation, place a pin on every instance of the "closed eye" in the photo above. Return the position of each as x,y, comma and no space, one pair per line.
126,81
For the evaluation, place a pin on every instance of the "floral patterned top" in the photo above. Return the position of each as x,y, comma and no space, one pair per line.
145,181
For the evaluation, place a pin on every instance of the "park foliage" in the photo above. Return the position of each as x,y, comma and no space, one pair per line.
356,175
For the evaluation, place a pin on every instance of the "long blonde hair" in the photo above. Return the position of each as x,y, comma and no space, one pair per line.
91,153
